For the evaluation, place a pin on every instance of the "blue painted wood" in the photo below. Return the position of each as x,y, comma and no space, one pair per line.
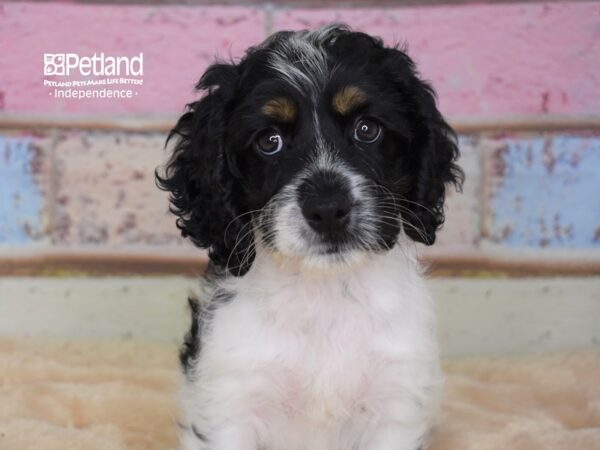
21,199
547,192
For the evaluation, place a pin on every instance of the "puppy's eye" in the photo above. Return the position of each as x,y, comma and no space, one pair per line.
367,131
269,142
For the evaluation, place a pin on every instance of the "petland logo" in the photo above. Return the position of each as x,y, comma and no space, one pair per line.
70,76
66,64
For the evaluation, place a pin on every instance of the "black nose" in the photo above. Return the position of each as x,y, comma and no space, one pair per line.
327,214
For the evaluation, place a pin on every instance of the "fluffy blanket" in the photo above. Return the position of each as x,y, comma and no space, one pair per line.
113,396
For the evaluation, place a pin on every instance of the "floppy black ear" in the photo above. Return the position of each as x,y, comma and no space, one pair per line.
205,196
434,152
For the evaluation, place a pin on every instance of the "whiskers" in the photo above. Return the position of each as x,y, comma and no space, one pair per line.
379,215
260,219
393,210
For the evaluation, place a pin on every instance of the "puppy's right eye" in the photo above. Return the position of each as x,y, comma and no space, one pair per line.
269,142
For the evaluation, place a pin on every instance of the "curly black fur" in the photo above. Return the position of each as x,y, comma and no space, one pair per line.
433,161
204,195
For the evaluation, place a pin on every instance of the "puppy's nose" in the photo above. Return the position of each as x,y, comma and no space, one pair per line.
327,214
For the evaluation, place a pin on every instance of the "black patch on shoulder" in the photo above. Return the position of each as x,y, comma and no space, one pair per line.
191,342
201,314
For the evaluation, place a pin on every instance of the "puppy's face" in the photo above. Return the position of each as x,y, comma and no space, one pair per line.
321,146
317,152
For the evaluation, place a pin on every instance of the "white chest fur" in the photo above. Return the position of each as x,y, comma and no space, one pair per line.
296,360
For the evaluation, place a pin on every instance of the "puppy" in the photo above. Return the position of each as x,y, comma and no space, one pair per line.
307,170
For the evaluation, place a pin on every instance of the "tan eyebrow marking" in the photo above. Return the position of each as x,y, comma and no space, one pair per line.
348,98
280,108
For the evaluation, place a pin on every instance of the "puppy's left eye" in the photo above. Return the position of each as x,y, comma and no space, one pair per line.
367,131
269,142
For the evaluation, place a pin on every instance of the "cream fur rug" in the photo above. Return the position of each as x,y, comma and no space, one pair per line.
117,396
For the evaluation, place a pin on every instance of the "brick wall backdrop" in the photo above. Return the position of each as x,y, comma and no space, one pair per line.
520,81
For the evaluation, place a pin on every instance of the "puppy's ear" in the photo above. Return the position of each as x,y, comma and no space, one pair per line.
432,155
434,146
205,196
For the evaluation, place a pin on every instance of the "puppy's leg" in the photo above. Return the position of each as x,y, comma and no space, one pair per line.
405,423
215,421
229,437
191,439
397,438
234,437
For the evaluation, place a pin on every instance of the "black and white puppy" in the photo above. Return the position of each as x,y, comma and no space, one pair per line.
307,170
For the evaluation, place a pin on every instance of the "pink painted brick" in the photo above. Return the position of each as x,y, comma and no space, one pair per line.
106,193
178,43
490,60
